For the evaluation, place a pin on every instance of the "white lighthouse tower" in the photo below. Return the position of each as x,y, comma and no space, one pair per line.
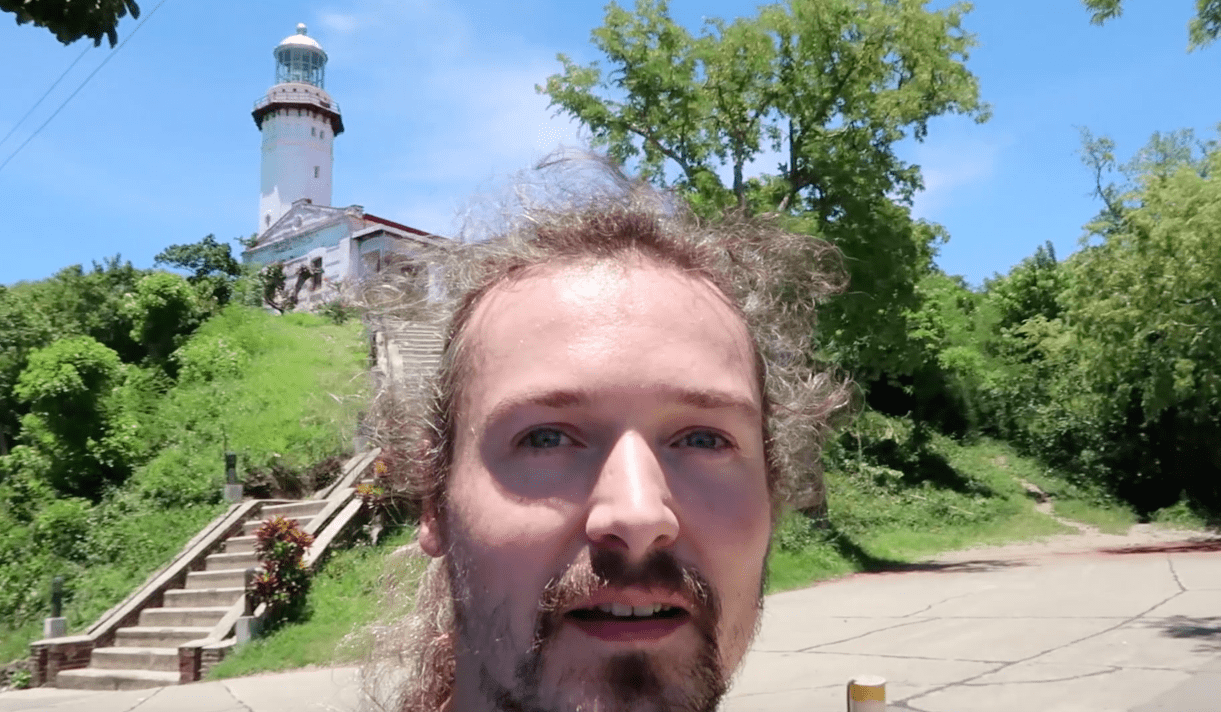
299,123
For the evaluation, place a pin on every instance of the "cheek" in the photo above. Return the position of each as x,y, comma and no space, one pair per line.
730,526
734,506
510,544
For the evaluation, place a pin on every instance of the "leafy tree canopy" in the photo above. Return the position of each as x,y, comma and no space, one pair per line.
164,310
1202,30
826,88
210,266
203,259
70,20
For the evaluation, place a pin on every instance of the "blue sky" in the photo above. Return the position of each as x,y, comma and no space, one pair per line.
439,104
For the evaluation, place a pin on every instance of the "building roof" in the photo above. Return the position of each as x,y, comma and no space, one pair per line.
304,217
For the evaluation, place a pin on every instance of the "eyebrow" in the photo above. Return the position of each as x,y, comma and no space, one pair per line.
703,399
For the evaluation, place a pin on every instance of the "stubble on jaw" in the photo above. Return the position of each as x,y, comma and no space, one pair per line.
629,681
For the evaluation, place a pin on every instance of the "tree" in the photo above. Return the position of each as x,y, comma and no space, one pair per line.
73,425
1032,288
826,88
212,267
1202,30
70,20
1147,294
76,301
164,310
830,86
23,328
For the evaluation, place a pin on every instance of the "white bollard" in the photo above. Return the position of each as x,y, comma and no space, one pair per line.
233,493
55,627
867,693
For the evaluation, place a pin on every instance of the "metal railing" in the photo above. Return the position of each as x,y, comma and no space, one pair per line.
298,98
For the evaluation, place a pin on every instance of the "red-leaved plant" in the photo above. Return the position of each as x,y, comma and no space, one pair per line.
385,495
280,546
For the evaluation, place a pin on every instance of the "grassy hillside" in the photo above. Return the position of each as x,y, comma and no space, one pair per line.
958,495
282,392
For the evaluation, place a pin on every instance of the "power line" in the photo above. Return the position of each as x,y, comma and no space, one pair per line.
45,95
82,85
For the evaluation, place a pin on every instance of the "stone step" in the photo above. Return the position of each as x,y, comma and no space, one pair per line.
95,679
239,544
202,616
202,598
237,560
423,331
251,527
235,578
163,659
159,636
294,510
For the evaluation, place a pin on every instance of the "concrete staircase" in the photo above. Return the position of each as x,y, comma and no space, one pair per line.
146,655
415,349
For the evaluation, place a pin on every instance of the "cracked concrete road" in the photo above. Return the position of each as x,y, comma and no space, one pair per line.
1076,624
1015,629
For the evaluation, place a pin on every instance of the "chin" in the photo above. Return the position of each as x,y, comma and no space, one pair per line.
631,680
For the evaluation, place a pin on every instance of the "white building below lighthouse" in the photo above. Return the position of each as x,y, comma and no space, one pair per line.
322,249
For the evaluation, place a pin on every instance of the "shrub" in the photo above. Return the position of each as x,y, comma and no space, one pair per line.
338,311
210,357
20,679
280,546
62,527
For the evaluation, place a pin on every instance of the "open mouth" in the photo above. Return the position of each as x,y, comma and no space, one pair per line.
622,623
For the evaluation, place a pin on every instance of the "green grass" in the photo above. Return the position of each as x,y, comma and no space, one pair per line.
274,389
343,597
1182,515
881,517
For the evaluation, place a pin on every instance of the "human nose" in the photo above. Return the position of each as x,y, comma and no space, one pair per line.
631,505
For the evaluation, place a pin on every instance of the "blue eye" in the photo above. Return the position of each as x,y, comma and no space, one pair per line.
705,439
543,438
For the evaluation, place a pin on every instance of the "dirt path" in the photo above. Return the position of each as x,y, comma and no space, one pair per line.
1140,537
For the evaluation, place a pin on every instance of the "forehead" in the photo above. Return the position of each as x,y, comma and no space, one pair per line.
609,325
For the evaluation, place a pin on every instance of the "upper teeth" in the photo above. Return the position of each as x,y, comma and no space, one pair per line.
620,609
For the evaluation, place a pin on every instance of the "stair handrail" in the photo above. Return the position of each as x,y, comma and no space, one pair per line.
354,468
70,652
343,508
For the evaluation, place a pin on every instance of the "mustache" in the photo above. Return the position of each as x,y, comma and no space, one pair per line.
606,569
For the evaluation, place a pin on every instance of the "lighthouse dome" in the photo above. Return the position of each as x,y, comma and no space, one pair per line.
301,39
299,58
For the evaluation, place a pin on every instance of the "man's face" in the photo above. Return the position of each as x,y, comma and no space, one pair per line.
608,513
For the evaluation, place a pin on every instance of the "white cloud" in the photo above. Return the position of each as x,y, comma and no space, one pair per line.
950,164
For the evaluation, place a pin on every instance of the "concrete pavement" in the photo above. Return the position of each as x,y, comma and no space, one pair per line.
1099,632
1125,629
329,690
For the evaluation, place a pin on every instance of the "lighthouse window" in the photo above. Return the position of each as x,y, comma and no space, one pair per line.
313,132
315,171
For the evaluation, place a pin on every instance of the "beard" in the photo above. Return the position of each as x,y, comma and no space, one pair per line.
543,681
